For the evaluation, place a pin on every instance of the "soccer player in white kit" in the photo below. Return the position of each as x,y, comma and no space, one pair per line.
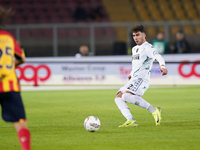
143,55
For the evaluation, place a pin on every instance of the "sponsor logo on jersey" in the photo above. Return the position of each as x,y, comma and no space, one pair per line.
136,57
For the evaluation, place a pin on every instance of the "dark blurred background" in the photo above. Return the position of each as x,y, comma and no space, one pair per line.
60,27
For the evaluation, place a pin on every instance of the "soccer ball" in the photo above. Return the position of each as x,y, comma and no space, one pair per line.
92,123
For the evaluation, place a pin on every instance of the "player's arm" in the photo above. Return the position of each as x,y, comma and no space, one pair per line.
129,77
152,53
161,61
19,60
19,55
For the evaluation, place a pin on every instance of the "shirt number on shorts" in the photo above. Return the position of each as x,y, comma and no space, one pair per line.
135,86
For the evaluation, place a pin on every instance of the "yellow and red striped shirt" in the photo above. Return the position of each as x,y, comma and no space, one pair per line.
8,49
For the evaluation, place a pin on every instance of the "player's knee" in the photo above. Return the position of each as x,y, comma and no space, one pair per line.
6,118
119,94
125,96
118,100
20,125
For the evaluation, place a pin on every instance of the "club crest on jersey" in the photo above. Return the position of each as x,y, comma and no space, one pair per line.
136,57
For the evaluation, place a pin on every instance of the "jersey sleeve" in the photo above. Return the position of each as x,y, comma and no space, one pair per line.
152,52
160,59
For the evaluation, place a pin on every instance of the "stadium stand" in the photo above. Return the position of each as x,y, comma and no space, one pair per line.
191,12
197,29
55,11
49,11
62,11
179,11
155,12
122,12
166,11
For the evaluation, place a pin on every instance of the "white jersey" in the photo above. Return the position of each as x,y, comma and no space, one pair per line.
142,60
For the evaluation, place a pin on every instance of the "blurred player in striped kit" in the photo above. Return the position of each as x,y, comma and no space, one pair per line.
11,56
143,55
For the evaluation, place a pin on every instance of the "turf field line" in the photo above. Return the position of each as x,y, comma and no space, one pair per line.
104,123
50,88
84,87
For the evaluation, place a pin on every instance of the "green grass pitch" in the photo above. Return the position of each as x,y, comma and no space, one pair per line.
55,119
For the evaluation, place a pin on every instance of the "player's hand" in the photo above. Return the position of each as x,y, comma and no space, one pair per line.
129,77
164,71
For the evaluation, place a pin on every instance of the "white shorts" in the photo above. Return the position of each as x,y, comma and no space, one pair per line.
136,86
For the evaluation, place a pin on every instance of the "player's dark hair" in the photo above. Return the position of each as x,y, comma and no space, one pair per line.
138,28
4,13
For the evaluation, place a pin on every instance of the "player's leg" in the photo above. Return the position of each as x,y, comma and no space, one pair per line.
139,101
123,107
135,88
13,111
133,94
23,133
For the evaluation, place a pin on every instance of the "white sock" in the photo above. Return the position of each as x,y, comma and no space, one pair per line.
137,100
123,107
152,109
